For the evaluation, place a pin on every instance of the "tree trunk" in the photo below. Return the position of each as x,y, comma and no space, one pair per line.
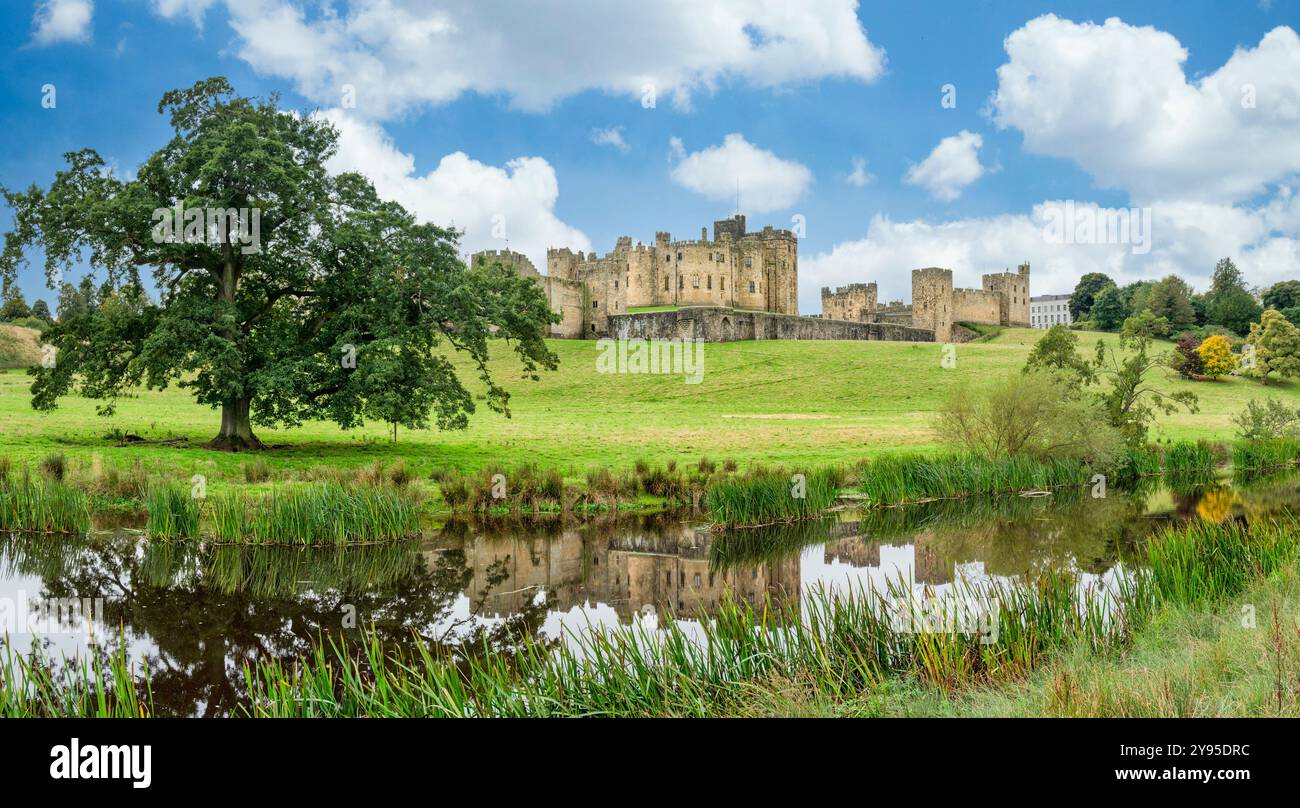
236,430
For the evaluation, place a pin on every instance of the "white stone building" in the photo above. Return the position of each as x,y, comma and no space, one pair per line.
1046,311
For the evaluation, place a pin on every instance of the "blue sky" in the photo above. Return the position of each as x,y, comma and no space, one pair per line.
471,111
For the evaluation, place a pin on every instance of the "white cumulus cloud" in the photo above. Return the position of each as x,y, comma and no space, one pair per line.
765,182
1114,99
1185,239
496,207
952,166
400,53
62,21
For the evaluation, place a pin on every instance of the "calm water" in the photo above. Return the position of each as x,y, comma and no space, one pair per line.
195,613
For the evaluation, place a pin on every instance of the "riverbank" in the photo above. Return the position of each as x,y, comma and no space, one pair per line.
771,402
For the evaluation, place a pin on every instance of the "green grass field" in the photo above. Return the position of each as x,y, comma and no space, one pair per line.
781,402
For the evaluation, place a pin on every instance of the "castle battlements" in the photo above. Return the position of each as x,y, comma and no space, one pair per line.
1002,299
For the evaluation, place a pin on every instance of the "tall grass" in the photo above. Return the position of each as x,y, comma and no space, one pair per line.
316,514
1264,455
901,478
40,506
771,496
34,687
173,512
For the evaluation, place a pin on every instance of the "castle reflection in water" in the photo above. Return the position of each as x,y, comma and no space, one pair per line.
666,567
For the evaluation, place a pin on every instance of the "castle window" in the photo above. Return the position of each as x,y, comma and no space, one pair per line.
751,287
679,256
722,284
695,282
595,304
749,262
709,281
615,284
665,284
681,282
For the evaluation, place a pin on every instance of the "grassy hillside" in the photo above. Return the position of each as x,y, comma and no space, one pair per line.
775,402
19,347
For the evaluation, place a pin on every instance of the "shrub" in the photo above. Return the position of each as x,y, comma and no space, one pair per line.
257,472
1031,414
55,466
1186,358
1270,420
1217,358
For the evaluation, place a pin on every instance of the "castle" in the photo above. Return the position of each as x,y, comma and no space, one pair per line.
735,269
936,305
741,285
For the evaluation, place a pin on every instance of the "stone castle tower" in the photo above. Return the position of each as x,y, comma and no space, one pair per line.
932,301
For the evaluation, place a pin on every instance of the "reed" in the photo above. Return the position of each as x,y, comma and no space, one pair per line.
902,478
1264,455
1185,457
173,512
41,506
766,497
318,514
34,686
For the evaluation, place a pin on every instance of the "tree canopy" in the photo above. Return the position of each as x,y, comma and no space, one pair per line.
1085,293
1282,295
309,298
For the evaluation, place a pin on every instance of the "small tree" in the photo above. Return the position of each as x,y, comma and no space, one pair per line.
1217,358
1057,350
1276,345
1268,421
1186,359
1131,403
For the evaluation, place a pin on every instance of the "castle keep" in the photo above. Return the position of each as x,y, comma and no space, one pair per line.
741,285
937,306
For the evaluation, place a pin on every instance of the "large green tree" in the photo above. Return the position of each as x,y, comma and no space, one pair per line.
1108,309
14,306
1229,303
1171,298
342,307
1085,292
1282,295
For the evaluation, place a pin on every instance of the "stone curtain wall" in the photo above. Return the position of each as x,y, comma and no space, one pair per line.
718,324
857,301
976,306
